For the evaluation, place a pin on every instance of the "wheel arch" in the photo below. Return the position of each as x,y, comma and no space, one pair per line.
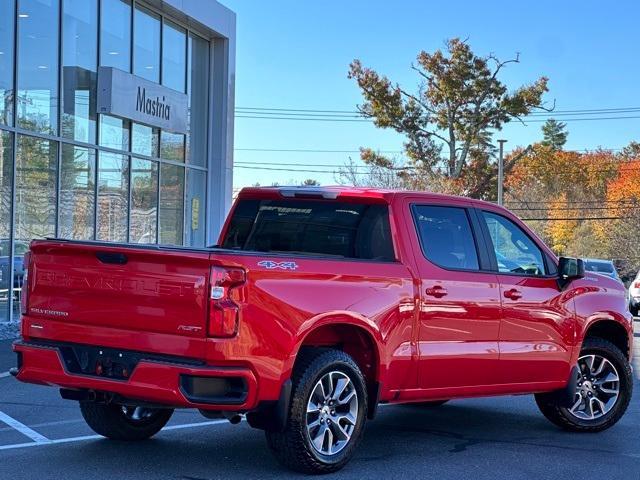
354,334
611,330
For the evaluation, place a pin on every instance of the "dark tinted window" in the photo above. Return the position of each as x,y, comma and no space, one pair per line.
311,227
446,237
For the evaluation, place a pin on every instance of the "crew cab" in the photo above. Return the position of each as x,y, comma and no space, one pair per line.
316,306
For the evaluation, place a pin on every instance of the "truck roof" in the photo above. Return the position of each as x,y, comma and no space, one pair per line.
337,191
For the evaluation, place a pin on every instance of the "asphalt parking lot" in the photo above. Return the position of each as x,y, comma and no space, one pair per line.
44,437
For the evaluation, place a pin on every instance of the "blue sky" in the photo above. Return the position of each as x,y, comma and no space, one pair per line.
295,54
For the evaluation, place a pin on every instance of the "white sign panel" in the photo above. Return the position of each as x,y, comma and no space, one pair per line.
124,95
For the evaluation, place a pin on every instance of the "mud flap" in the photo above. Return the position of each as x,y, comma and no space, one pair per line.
565,397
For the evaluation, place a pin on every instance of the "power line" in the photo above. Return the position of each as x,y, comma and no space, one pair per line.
570,218
307,150
588,111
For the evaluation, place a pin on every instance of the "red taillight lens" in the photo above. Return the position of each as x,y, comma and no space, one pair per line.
24,291
224,312
636,285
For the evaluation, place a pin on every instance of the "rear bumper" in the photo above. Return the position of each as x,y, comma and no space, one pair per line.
152,380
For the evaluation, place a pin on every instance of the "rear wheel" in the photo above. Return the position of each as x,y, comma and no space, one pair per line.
120,422
327,414
634,310
603,390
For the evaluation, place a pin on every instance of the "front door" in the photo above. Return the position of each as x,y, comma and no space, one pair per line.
538,320
459,316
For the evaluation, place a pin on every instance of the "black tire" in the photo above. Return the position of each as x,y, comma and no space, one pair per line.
111,421
562,417
292,446
633,310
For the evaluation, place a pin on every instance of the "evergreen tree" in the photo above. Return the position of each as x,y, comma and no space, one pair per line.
555,135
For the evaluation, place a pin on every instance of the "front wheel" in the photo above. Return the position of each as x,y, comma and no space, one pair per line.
327,414
603,390
119,422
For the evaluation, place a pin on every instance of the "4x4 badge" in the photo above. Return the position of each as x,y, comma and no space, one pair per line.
271,265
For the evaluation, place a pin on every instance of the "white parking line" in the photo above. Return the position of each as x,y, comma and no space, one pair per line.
4,374
95,437
23,429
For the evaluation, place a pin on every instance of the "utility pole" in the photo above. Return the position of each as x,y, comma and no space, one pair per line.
501,173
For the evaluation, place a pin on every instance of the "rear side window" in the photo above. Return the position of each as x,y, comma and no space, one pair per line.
446,237
313,227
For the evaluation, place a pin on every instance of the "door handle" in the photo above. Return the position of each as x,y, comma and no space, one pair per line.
436,291
513,294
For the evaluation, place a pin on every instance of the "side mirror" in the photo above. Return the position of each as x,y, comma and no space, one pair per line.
569,269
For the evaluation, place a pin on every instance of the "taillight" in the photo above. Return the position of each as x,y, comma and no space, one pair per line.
636,285
224,313
24,290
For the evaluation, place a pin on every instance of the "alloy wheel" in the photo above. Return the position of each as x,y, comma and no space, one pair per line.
598,388
332,413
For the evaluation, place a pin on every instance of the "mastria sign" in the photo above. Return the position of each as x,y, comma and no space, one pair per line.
124,95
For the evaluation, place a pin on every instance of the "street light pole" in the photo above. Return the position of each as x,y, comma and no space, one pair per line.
501,173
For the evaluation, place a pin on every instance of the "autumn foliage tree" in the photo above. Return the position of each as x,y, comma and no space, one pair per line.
448,122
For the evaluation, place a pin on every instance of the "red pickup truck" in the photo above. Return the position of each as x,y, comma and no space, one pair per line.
316,306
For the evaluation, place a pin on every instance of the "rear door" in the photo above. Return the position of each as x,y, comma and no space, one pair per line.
538,322
459,296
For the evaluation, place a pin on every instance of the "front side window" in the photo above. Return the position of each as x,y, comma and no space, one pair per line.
515,252
312,227
446,237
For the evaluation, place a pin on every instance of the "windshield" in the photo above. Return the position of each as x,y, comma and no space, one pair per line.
599,266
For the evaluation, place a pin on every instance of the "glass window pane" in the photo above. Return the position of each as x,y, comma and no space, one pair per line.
115,34
144,201
114,132
171,204
198,92
38,66
7,12
6,177
113,197
146,42
515,251
144,140
77,203
174,56
313,227
79,59
172,146
196,201
35,207
446,237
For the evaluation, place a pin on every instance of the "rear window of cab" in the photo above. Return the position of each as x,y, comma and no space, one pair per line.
311,227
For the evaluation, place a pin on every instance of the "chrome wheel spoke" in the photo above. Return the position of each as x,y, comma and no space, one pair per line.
341,386
347,399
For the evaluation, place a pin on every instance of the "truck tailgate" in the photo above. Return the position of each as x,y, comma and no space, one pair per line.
125,287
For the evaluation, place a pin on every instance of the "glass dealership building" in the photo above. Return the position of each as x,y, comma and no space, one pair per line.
116,124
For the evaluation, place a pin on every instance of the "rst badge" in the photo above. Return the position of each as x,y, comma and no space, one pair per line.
271,265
